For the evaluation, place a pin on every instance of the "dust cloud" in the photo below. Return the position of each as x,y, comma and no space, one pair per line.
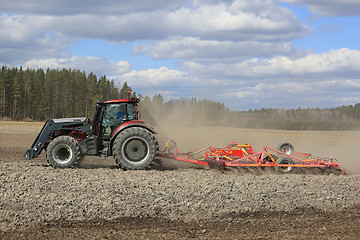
193,135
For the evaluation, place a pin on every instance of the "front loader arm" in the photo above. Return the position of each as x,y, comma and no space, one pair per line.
41,139
50,127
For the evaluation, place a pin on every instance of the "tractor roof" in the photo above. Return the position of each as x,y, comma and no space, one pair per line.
123,100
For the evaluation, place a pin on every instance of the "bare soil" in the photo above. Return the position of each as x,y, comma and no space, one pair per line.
97,200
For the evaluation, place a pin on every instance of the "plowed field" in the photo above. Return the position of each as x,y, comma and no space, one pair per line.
97,200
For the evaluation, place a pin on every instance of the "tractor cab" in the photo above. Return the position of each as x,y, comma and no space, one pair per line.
116,114
109,115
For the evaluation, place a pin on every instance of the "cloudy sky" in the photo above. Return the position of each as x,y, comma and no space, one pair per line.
247,54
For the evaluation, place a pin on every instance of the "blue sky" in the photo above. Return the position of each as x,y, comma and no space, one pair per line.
247,54
116,52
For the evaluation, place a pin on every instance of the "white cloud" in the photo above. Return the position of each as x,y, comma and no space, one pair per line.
168,82
20,28
220,29
217,22
353,83
237,22
70,7
224,29
331,7
190,48
99,66
27,37
220,21
313,80
338,62
154,77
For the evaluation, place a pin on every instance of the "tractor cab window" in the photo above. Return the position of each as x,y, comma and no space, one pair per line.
131,111
116,114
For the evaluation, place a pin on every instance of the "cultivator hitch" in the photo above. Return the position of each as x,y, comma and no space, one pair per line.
283,159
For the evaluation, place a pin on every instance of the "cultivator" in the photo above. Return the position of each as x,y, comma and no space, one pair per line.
283,159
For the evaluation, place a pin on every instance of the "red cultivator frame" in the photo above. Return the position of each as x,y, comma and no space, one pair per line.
283,159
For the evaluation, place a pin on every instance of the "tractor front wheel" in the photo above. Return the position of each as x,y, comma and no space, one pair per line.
63,152
135,148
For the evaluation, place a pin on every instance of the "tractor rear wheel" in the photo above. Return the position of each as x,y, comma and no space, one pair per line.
285,169
135,148
63,152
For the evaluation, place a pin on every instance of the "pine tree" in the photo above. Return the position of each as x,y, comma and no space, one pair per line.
16,94
39,109
124,90
90,93
2,92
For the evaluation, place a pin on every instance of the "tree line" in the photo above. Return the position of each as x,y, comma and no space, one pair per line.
39,95
330,119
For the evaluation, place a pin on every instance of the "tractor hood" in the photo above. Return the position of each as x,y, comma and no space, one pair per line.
69,120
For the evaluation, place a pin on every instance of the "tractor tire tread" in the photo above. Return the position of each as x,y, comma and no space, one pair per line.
74,146
141,133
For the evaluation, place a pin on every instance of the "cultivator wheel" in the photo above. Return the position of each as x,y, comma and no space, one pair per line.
286,148
284,169
215,163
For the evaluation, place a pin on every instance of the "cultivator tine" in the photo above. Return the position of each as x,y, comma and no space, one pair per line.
169,146
202,150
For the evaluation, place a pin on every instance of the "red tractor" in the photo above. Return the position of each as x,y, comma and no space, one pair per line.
115,130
